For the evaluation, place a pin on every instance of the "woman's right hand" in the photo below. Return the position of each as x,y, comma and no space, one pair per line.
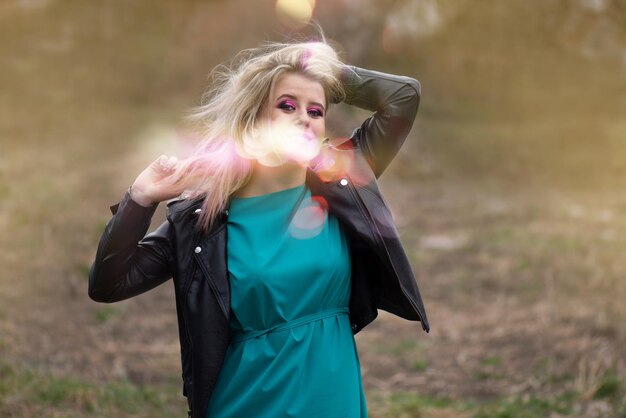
154,184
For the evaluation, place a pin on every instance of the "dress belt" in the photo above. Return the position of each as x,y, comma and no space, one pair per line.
239,335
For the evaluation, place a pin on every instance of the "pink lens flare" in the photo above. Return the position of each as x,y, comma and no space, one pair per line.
332,162
336,159
210,159
310,218
274,144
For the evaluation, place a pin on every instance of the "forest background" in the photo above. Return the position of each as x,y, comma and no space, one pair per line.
508,195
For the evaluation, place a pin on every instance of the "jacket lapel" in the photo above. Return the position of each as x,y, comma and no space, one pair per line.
210,254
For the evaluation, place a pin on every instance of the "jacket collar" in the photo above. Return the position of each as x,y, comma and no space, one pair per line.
188,209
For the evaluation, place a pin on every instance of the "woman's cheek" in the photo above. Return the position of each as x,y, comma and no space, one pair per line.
320,129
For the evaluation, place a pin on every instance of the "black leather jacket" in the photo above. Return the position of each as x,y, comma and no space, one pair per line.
128,263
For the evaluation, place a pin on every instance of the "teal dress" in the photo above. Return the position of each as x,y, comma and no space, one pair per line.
292,352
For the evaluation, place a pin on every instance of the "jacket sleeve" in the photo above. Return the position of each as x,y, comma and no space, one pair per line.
394,101
128,263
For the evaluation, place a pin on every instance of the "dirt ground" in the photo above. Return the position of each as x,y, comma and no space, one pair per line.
509,279
511,214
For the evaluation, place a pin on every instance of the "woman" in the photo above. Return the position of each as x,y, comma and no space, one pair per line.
285,248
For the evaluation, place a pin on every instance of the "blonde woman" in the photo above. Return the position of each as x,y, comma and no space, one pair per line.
282,247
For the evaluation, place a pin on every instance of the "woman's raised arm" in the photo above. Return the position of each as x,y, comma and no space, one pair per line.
394,100
127,262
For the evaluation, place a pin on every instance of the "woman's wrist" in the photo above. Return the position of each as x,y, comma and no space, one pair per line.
348,74
139,197
347,78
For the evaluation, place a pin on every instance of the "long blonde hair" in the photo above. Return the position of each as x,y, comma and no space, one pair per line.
233,106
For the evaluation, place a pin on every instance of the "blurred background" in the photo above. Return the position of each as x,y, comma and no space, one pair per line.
508,195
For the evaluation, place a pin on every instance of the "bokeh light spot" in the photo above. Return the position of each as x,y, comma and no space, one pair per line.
294,14
390,40
310,218
273,144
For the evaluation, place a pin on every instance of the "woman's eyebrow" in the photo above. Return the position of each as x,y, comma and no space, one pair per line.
289,96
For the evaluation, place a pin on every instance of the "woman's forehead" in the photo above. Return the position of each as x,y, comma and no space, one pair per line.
299,86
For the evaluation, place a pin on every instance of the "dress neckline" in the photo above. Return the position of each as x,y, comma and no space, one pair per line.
278,192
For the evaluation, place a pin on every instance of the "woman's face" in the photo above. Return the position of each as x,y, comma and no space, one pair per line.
299,100
292,125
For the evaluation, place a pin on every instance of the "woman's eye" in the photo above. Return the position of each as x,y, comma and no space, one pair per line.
286,106
316,113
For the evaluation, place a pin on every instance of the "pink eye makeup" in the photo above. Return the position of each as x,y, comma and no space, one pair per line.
287,105
290,104
315,111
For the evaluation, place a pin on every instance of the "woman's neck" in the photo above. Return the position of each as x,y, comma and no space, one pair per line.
266,180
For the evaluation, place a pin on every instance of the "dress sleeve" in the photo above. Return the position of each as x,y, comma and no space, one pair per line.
128,263
394,100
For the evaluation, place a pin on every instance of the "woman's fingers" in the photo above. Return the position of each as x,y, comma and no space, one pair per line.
166,163
155,183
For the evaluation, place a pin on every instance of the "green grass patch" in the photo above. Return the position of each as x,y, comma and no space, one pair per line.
489,374
491,361
404,404
397,347
37,393
105,313
83,270
528,407
612,388
419,365
130,398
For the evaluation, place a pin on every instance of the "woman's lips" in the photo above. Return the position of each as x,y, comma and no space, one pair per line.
309,135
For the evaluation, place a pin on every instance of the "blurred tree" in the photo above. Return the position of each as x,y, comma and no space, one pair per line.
493,50
595,29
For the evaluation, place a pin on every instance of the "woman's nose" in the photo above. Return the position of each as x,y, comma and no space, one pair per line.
303,118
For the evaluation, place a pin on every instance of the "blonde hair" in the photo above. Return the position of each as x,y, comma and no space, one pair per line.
232,108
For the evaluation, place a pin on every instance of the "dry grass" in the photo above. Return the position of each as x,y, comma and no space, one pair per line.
514,222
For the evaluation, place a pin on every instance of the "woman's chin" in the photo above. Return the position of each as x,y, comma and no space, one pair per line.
280,144
305,153
274,160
